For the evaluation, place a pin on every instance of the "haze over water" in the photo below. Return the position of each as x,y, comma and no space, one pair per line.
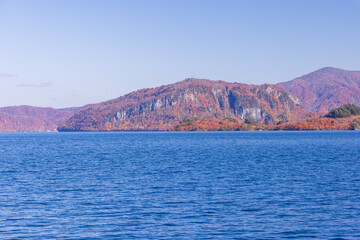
175,185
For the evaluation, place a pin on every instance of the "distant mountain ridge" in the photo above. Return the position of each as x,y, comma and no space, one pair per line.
32,119
325,89
163,107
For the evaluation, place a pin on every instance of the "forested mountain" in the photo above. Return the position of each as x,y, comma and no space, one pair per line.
325,89
163,107
32,119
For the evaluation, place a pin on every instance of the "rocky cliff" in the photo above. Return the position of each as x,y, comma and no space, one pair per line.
163,107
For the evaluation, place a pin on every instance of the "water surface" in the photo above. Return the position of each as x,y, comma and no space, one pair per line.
180,185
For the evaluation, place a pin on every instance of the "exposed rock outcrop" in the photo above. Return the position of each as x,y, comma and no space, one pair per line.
163,107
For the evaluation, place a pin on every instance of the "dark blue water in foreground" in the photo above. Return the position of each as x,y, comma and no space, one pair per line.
194,185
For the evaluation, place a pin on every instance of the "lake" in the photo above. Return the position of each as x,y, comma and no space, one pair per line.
180,185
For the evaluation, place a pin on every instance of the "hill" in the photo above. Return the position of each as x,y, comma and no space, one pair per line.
346,110
162,108
32,119
325,89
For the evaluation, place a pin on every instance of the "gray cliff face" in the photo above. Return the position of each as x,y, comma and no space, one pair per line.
121,115
167,105
226,102
254,113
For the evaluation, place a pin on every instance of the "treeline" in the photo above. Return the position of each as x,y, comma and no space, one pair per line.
346,110
228,124
345,117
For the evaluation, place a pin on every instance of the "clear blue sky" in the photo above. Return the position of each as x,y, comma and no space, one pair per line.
63,53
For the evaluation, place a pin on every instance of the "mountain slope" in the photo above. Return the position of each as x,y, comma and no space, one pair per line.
325,89
163,107
32,119
11,123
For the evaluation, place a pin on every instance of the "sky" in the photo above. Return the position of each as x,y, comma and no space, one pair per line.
65,53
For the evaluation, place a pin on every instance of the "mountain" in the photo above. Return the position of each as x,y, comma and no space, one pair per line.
164,107
33,119
198,104
325,89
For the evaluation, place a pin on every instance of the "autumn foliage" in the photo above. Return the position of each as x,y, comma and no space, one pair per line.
325,89
213,124
164,107
32,119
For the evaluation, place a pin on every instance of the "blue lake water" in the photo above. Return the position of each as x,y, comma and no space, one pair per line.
180,185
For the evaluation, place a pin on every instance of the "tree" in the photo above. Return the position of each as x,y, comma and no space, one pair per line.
250,120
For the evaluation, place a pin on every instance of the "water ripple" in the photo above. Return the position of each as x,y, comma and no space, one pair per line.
154,185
